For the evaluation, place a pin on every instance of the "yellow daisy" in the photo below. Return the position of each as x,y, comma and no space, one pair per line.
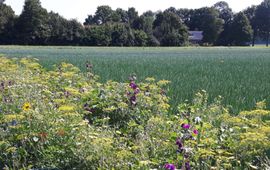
26,106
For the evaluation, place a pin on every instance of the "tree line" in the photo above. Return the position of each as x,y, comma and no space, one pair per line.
108,27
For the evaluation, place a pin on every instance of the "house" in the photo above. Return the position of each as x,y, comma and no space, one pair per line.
195,37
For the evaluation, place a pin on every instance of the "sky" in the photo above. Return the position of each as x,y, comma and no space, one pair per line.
80,9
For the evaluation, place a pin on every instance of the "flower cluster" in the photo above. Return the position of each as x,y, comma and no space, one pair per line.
136,90
169,166
189,132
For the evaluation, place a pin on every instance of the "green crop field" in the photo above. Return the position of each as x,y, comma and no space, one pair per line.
240,75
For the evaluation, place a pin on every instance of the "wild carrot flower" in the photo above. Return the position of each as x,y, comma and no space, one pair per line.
26,106
169,166
198,119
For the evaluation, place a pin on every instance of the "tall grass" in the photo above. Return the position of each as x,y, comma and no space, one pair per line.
240,75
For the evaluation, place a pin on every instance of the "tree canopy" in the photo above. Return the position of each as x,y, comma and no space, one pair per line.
262,17
120,27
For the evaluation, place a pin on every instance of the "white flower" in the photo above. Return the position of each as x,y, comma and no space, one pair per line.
198,119
188,150
35,139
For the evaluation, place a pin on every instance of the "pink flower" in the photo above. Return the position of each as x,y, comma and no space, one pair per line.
195,131
185,126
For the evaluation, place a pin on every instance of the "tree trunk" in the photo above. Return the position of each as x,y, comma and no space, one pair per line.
254,37
267,40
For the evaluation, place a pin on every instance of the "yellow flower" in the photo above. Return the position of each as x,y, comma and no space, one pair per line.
26,106
66,108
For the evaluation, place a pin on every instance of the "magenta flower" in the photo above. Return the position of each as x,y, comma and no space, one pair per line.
169,166
185,126
195,131
133,85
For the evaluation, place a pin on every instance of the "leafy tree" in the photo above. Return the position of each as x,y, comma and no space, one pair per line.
241,31
148,21
140,38
132,15
262,17
208,21
98,35
123,15
103,14
225,12
32,25
119,35
169,29
148,14
58,30
185,15
63,31
138,23
7,17
224,37
152,41
75,32
250,13
171,9
90,20
116,17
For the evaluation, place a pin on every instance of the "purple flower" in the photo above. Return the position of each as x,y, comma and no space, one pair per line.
187,166
133,85
88,65
179,143
136,91
2,86
13,123
169,166
67,93
195,131
133,99
185,126
87,108
180,146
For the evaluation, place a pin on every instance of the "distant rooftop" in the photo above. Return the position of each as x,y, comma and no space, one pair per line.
195,35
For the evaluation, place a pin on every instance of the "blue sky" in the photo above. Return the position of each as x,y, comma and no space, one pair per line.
79,9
